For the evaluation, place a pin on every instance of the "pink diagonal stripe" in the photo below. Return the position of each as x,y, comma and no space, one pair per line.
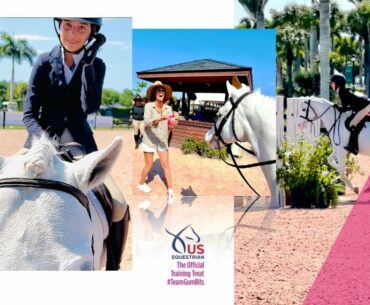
344,279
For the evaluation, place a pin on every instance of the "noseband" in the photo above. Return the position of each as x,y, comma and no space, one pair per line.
234,105
218,131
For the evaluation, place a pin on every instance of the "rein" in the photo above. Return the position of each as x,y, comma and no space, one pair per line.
336,124
218,131
51,185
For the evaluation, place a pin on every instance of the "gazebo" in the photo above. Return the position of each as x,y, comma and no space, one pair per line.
204,75
197,76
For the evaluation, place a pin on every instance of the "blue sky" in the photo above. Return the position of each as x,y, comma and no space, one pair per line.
252,48
116,53
279,5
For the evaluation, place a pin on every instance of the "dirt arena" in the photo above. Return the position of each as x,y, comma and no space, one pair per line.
278,253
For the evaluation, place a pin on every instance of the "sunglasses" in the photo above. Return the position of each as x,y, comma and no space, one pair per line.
159,90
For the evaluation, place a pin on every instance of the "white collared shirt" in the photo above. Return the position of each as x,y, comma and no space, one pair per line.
68,73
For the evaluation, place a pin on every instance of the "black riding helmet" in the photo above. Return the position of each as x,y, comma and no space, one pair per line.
339,80
96,24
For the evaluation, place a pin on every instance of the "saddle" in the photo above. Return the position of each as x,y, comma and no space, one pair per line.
118,231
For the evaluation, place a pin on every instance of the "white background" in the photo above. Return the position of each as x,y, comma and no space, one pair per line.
69,288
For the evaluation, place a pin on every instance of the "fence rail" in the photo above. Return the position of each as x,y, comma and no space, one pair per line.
11,118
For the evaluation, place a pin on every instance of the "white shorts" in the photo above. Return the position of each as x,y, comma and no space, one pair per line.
146,148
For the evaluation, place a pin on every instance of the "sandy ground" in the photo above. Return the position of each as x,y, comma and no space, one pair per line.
278,253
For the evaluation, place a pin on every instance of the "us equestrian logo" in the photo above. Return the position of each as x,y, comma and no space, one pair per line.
187,243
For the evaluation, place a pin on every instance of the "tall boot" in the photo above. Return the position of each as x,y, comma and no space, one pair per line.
352,146
116,241
137,139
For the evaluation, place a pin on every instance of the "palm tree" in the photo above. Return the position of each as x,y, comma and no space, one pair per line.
313,35
18,50
255,10
290,40
324,47
291,24
358,22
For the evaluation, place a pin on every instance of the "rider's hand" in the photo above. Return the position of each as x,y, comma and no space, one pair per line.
92,50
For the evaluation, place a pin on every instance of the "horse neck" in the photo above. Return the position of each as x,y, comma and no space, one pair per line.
260,132
328,118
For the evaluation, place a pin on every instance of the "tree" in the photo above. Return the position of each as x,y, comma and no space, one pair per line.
255,10
3,89
324,47
18,50
358,22
291,40
139,90
314,45
110,97
126,98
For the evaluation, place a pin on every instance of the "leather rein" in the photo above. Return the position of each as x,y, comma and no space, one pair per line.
53,185
218,131
336,124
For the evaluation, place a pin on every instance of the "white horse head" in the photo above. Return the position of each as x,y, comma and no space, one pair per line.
46,229
253,120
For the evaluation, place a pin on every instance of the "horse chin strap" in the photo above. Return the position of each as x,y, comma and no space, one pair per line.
218,131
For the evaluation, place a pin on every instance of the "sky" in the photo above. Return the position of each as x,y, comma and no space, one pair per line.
278,5
116,53
251,48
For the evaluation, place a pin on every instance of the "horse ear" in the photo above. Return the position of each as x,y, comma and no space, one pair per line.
245,88
229,87
91,170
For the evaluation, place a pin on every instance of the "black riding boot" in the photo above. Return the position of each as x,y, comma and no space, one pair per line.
137,139
352,146
116,241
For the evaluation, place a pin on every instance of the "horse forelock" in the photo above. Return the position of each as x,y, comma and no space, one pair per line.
40,156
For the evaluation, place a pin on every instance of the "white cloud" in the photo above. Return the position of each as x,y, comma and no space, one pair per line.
31,37
122,44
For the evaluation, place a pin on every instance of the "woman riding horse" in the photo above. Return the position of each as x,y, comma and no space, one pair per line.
359,104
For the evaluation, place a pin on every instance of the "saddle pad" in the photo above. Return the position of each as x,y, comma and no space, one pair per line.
96,205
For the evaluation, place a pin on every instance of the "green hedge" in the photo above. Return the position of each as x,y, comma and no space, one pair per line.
192,145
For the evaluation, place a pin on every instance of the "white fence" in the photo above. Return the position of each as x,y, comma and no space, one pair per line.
292,127
95,121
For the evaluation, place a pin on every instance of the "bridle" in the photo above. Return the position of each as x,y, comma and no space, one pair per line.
317,117
51,185
217,135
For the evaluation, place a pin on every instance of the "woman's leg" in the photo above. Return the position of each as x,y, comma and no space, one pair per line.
165,163
142,128
135,124
148,159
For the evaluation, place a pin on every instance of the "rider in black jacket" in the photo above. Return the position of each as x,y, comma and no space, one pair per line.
359,104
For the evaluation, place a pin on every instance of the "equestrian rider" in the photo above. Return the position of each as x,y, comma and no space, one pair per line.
65,86
359,104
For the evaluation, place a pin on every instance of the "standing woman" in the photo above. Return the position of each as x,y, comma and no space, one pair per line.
138,120
65,86
155,138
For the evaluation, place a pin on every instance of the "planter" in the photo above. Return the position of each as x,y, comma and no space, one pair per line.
300,199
